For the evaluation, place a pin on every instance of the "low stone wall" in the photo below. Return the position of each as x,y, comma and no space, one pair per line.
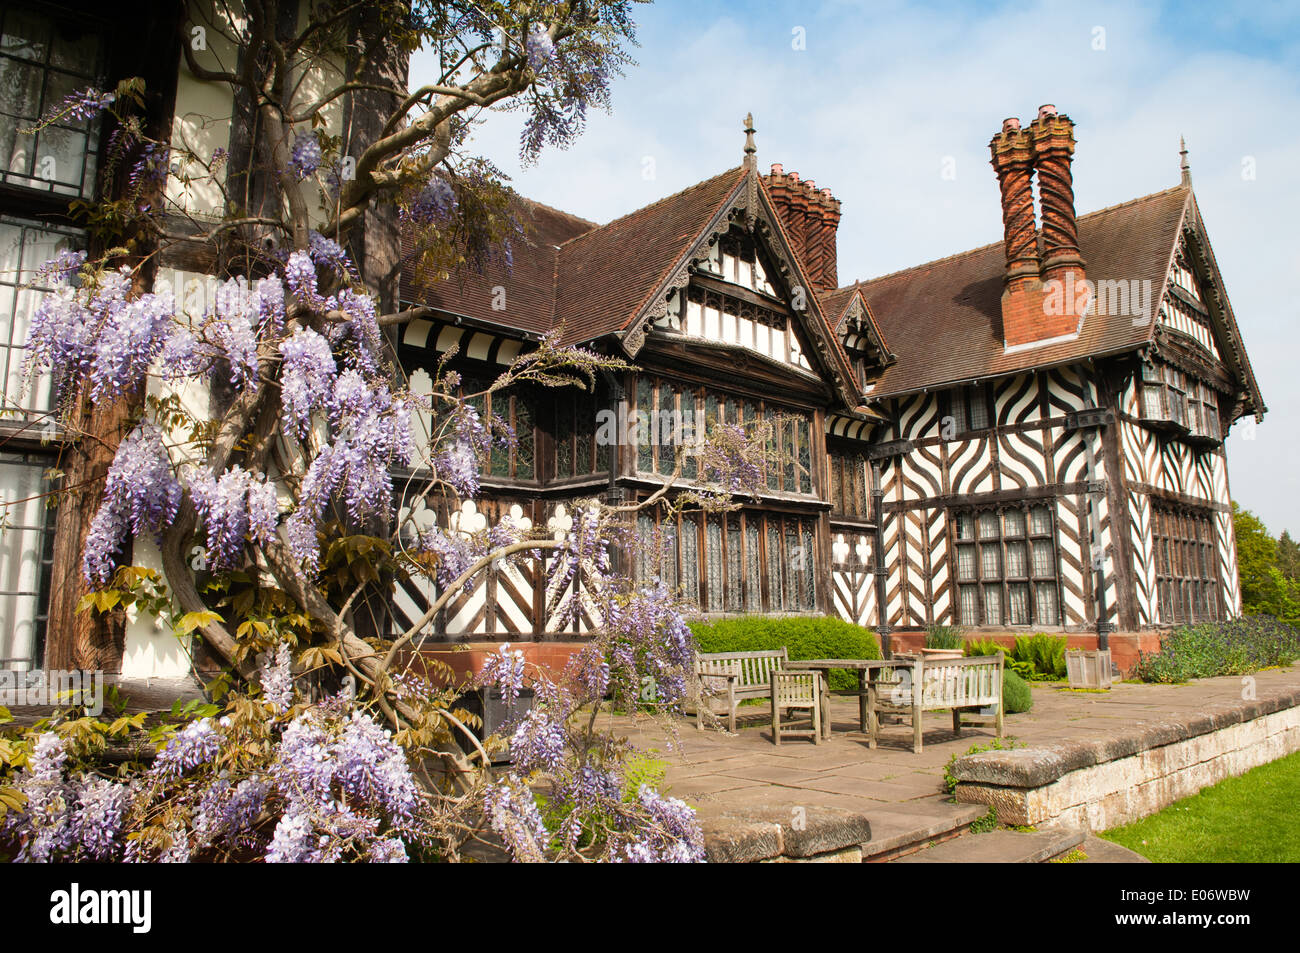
768,835
1100,784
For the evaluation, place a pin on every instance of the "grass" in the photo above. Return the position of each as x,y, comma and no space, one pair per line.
1247,819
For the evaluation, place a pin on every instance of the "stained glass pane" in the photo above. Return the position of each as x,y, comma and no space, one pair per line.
499,405
838,503
690,564
795,561
735,575
772,458
990,561
690,466
753,568
563,439
787,454
979,411
668,433
646,565
1014,522
988,525
965,526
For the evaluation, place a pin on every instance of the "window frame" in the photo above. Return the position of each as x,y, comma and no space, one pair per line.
983,580
782,588
1183,597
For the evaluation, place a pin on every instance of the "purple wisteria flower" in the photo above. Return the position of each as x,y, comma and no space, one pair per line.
538,743
233,327
81,105
141,495
306,378
99,333
300,276
195,744
673,836
512,812
60,268
373,433
305,155
97,820
505,670
276,677
433,204
539,47
239,505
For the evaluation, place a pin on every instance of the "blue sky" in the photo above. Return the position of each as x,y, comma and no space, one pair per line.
884,96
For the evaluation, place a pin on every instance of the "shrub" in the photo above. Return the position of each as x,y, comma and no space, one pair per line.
1046,653
943,637
984,647
803,637
1017,696
1235,647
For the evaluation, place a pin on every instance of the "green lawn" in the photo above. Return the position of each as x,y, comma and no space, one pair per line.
1249,819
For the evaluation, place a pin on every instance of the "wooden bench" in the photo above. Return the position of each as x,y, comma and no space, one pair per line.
743,674
960,685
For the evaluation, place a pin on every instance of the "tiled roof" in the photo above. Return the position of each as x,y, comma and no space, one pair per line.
943,319
835,306
529,279
607,275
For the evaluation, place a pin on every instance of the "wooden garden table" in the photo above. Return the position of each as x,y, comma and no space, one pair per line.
868,685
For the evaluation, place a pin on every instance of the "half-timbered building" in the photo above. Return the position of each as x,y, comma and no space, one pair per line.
1026,436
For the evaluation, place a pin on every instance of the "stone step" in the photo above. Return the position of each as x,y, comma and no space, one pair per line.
1107,852
899,830
999,847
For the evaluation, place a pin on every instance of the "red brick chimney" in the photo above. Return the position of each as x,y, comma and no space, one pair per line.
1053,136
1042,300
811,219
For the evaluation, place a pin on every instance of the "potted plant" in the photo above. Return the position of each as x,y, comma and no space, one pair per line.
944,642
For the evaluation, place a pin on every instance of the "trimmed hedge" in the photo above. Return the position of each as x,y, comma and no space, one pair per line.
1017,696
803,637
1236,647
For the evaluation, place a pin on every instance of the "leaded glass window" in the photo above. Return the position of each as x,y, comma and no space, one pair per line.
1006,567
41,62
713,555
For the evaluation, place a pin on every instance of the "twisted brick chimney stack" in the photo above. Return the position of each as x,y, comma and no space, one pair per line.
811,219
1044,297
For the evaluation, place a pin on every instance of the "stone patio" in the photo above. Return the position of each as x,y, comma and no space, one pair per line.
743,785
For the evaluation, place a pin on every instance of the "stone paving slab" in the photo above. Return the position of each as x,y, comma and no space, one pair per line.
899,792
999,847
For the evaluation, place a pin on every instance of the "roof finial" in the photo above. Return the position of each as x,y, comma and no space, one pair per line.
1187,169
751,150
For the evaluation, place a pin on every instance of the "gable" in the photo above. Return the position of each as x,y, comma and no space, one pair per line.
736,299
771,280
1183,308
1195,308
